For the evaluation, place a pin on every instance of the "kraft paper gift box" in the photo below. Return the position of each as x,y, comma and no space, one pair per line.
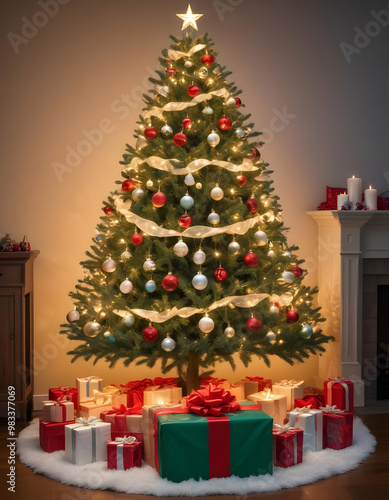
337,428
124,453
252,385
235,389
58,411
86,441
291,389
59,392
52,435
86,386
339,392
311,422
124,422
287,446
273,405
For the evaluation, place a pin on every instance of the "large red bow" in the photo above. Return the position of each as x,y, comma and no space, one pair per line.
169,381
212,380
212,401
138,384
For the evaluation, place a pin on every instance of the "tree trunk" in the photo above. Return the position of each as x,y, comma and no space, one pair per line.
192,374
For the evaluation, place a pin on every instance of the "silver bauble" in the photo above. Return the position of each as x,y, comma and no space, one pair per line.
208,111
288,276
271,336
149,265
72,316
217,193
187,202
240,132
202,73
213,218
199,257
150,286
188,64
307,331
233,247
109,266
168,344
189,180
166,130
180,249
271,254
141,142
125,256
164,90
287,254
274,310
137,194
231,101
199,281
126,286
91,329
229,332
206,324
199,185
128,320
260,238
149,184
213,139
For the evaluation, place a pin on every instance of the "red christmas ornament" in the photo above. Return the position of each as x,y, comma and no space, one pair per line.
171,70
128,185
185,221
150,334
255,153
158,199
150,133
170,282
250,259
193,91
241,180
238,102
137,239
16,247
252,205
292,316
224,123
108,210
179,139
207,59
297,271
187,122
253,325
220,274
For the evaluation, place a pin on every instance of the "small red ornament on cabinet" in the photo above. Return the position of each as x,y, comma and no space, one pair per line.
150,334
292,316
253,325
207,59
137,239
185,221
150,133
224,123
170,282
179,139
220,274
158,199
193,90
250,260
127,185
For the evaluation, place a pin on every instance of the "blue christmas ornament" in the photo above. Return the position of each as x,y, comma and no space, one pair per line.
199,281
187,202
109,336
150,286
129,320
307,331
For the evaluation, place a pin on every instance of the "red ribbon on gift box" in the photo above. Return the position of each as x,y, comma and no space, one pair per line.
212,401
58,392
205,381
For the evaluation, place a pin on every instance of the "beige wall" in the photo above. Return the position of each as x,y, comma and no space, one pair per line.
70,75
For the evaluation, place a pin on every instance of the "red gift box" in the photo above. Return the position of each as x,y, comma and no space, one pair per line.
119,422
52,435
337,428
136,388
124,454
339,392
59,392
287,446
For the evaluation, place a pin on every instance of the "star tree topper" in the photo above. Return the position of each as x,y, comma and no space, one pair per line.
189,19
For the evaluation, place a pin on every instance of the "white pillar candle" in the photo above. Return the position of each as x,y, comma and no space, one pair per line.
342,198
354,188
371,198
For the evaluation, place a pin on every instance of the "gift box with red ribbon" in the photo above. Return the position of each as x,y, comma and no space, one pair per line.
61,410
236,390
124,421
52,435
254,384
337,428
63,390
213,436
163,390
124,453
339,392
287,446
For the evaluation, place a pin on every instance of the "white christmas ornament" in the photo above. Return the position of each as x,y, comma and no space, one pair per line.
271,336
164,90
213,218
137,194
260,238
217,193
141,142
168,344
149,265
229,332
287,254
92,328
180,249
126,286
125,255
233,247
213,139
199,257
128,320
271,254
231,101
274,309
208,111
199,281
189,180
109,266
206,324
166,130
288,276
149,184
188,64
72,316
240,132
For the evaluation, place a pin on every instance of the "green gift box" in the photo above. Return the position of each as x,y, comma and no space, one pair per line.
190,446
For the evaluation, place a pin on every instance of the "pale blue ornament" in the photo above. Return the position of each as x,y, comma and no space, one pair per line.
307,331
187,202
150,286
200,281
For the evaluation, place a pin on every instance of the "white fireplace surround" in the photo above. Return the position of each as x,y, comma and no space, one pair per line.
345,239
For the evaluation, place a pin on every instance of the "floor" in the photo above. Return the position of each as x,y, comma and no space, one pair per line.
369,480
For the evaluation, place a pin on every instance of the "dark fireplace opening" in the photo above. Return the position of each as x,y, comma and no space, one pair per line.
383,342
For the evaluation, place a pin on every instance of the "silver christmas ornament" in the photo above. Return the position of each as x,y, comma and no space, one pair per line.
150,286
199,185
72,316
206,324
164,90
288,276
271,336
231,101
99,237
149,265
149,184
199,257
109,266
202,73
141,142
217,193
187,202
125,256
213,139
168,344
307,331
233,247
208,111
126,286
199,281
189,180
128,320
180,249
240,132
166,130
287,254
271,254
213,218
137,194
92,328
188,64
274,310
260,238
229,332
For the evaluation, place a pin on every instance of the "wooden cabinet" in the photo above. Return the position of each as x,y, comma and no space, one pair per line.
17,330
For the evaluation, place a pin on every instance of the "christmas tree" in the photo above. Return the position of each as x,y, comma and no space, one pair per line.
190,263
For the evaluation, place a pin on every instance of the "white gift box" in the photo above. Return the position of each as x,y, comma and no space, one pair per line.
291,389
85,444
86,386
311,422
53,411
273,405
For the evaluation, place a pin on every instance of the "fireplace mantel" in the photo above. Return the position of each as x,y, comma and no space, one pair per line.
344,239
